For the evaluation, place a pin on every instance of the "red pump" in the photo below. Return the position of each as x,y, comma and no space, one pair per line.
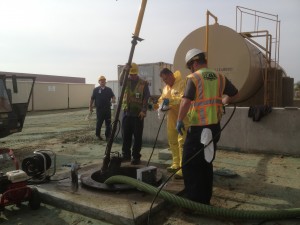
13,185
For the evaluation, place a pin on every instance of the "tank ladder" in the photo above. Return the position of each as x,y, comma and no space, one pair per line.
269,42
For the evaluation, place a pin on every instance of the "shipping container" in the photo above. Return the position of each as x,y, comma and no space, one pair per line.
50,96
114,85
79,95
53,96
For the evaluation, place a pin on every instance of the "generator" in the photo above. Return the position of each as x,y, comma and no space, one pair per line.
13,185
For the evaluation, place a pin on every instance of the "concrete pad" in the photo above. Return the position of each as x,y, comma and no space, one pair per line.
117,207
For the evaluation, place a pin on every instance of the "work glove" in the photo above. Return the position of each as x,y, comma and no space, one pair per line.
165,105
179,127
142,115
166,102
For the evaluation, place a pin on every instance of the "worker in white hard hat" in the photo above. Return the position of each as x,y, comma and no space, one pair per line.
103,97
202,103
169,102
134,105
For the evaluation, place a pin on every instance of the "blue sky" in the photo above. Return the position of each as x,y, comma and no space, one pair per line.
83,38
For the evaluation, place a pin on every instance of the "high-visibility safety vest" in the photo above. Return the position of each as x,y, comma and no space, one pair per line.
206,108
133,99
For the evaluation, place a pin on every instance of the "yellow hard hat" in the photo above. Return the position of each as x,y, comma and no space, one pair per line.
101,78
134,69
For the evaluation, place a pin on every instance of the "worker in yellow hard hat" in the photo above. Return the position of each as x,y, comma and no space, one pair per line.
103,97
202,103
134,105
169,102
134,69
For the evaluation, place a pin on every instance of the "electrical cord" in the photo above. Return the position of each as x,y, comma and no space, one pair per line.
264,215
162,120
167,180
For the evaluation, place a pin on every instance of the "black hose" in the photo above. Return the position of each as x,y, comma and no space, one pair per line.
156,139
167,180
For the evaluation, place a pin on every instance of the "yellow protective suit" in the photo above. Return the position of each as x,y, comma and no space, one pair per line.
176,141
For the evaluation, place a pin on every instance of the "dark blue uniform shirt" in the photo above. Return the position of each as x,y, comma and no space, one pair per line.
102,97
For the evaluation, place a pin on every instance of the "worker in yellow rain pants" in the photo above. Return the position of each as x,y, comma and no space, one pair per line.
169,102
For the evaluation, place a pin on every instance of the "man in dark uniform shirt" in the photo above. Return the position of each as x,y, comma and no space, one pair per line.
102,97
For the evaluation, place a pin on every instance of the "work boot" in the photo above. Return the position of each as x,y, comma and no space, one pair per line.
135,161
100,138
125,159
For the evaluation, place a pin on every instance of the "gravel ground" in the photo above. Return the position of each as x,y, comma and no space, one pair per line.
264,181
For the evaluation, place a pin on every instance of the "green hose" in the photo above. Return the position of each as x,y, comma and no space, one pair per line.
207,209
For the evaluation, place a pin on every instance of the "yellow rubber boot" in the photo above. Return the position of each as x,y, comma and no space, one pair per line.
178,175
175,160
173,144
181,139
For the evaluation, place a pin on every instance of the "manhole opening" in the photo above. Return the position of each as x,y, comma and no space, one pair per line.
96,179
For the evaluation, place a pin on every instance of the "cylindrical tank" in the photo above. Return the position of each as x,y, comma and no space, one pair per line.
228,53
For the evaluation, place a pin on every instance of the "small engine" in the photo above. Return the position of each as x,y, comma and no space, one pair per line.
40,166
14,187
14,190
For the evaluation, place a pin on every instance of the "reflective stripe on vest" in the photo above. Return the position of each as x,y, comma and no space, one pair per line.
133,99
207,107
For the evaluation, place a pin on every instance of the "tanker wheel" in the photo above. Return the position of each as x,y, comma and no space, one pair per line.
34,200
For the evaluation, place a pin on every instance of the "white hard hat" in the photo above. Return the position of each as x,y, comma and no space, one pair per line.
191,54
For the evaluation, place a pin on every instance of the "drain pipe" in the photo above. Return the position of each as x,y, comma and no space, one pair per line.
207,209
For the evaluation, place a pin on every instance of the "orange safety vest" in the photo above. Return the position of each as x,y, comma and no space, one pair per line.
206,109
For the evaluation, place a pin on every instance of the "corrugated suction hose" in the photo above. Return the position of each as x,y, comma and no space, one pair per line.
206,209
